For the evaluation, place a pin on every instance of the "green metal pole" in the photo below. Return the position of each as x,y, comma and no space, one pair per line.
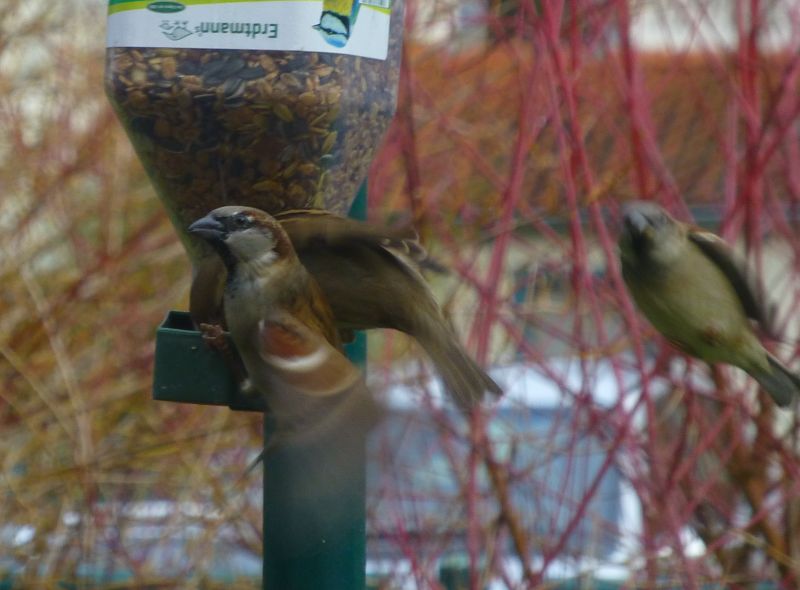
315,539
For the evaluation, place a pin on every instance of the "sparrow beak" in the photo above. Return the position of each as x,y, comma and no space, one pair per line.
636,222
208,228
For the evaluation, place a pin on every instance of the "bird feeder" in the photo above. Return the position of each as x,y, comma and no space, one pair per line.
272,104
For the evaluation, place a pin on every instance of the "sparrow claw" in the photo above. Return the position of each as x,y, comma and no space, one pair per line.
214,336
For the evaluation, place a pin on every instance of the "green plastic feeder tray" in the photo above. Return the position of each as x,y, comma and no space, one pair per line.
188,370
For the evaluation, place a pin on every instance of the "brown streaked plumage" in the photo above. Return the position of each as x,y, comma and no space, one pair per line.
282,326
688,284
370,278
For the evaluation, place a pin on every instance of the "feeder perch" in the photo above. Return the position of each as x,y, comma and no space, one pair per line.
188,370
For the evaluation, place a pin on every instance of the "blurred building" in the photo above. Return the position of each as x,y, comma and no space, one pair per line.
416,494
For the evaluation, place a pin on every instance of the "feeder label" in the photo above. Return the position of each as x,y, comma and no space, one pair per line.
352,27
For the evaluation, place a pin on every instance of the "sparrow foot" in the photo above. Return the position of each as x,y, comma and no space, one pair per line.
214,336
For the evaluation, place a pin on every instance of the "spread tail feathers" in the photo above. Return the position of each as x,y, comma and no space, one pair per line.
779,382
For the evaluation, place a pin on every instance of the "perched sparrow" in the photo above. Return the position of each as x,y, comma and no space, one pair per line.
282,325
369,276
687,282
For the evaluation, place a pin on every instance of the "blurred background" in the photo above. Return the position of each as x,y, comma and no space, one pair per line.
521,126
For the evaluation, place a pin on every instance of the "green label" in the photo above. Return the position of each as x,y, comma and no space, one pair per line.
165,6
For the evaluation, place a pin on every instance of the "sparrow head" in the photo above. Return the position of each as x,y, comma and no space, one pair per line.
649,234
243,234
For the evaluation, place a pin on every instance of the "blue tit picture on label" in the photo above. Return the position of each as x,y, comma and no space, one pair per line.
337,21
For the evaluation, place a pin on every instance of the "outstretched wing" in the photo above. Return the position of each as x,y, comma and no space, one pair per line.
315,227
723,256
304,359
334,397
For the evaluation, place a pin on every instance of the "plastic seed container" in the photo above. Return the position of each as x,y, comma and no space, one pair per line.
273,104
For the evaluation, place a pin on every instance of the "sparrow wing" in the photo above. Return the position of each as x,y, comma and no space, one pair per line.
723,256
334,399
312,227
306,225
313,310
207,291
303,359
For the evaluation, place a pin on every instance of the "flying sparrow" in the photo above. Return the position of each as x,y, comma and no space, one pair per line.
688,283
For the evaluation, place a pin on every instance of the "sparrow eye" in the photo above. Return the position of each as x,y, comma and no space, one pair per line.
242,220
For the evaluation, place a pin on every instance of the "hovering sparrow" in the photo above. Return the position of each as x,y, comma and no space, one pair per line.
282,326
687,282
370,277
